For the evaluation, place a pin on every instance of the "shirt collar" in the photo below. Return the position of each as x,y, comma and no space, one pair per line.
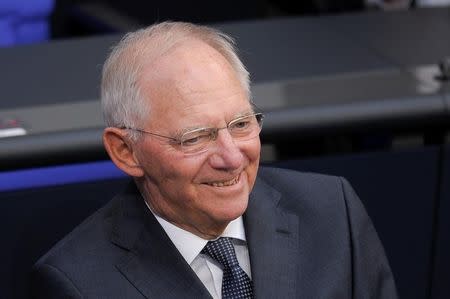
189,244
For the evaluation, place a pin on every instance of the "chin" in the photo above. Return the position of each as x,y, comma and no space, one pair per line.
233,209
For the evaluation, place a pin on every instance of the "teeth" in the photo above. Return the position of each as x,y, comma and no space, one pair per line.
227,183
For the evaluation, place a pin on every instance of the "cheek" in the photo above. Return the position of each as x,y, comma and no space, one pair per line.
178,172
159,163
179,182
253,151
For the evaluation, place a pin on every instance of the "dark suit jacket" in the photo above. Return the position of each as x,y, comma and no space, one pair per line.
308,237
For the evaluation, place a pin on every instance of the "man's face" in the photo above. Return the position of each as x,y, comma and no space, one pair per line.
194,86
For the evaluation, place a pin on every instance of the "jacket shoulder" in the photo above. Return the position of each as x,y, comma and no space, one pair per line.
305,190
92,234
293,179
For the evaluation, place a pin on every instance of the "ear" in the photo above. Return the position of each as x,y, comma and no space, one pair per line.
120,150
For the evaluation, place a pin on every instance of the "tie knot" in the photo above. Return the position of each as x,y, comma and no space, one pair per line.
222,251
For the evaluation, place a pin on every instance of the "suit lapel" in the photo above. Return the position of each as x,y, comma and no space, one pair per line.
153,264
156,268
272,235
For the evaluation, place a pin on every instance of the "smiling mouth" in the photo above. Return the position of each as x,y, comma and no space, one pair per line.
224,183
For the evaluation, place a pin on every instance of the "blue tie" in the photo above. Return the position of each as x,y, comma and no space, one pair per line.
235,284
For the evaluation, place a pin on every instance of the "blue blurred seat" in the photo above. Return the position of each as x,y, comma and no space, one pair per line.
24,21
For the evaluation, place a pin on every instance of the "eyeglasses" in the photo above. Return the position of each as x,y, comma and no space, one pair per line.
196,141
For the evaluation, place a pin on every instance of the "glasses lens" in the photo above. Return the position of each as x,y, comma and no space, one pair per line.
196,140
241,129
246,127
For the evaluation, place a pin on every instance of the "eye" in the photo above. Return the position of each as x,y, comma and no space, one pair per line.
240,124
196,138
191,141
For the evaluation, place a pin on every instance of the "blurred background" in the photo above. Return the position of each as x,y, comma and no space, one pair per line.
31,21
359,89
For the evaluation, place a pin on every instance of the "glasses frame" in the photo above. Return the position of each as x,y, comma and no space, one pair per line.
215,131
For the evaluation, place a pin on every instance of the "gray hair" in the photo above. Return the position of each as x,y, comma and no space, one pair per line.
122,101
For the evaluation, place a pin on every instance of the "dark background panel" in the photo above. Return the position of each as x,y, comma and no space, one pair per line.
406,38
441,275
52,73
288,48
33,220
198,11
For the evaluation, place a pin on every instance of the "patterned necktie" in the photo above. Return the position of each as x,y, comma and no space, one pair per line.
235,284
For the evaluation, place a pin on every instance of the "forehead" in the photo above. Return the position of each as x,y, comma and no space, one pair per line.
190,81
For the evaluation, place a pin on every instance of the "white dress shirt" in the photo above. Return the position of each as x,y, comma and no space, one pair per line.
207,269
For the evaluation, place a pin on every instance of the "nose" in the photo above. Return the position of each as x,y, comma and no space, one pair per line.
226,154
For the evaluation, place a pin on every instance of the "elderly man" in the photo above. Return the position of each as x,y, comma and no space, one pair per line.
200,220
